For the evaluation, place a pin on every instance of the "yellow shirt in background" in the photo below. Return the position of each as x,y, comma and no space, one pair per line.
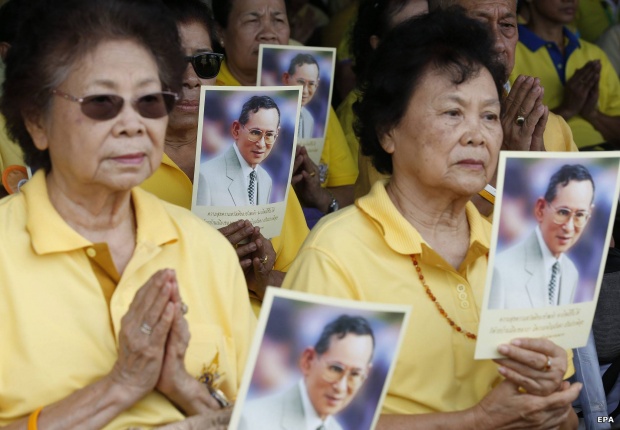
58,333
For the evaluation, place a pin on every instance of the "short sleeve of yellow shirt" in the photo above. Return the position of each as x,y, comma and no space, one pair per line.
58,331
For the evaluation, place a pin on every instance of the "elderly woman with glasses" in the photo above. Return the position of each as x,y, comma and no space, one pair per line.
114,311
431,119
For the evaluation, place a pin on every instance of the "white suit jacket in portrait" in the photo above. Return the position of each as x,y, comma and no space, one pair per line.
306,124
221,182
278,412
520,282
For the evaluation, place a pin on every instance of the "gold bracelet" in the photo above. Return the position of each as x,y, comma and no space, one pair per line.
32,419
488,194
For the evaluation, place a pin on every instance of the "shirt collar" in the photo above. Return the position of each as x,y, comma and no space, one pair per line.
50,233
548,258
403,238
245,167
313,421
533,42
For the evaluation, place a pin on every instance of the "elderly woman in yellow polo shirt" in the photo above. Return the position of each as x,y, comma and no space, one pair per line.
432,120
103,284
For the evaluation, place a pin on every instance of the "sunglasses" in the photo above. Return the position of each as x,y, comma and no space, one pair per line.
102,107
206,64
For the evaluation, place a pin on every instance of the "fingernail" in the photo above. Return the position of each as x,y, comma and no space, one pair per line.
516,342
249,230
502,370
503,349
252,247
530,80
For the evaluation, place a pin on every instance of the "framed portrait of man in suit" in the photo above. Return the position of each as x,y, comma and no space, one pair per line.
551,229
318,363
312,69
244,156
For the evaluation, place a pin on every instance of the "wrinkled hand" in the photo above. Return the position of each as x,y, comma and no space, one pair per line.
174,379
525,99
214,420
505,407
252,248
526,365
258,277
141,355
307,183
239,234
590,105
577,89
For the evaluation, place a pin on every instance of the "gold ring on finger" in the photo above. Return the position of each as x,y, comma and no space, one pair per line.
264,259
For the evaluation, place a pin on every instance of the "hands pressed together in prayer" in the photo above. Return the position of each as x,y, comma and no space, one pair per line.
581,92
256,256
524,116
153,340
534,394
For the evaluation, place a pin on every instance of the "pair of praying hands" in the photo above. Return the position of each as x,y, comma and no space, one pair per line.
256,256
153,340
581,92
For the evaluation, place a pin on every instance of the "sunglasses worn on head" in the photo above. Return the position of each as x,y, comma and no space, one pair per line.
102,107
206,64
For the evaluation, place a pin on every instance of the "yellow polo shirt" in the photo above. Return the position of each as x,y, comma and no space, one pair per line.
535,60
363,253
58,332
341,168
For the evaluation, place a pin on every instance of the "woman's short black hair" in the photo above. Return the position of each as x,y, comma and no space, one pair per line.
59,34
190,11
446,41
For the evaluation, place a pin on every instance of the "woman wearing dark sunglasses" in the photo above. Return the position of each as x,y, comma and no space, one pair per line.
101,282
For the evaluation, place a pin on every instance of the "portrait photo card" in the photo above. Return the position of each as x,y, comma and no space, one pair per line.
552,225
319,360
245,152
311,68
